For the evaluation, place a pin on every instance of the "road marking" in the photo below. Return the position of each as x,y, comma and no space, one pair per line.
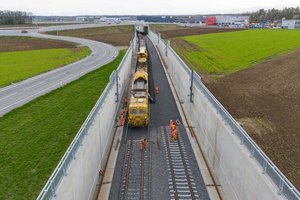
32,86
27,98
13,85
8,96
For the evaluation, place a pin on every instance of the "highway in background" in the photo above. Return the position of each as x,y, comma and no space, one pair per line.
62,27
16,95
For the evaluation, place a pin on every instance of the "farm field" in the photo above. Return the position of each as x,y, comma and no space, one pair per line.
168,31
33,146
115,35
255,74
265,101
165,27
18,43
225,53
22,57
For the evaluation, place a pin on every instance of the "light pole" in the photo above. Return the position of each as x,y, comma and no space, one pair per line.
37,26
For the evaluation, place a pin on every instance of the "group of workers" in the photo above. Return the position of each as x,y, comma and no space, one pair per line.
143,143
173,131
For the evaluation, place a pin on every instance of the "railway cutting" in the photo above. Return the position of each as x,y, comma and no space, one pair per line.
163,169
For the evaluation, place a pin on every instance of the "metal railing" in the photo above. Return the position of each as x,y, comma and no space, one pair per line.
285,187
49,190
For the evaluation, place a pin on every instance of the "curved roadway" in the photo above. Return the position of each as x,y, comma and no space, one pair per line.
18,94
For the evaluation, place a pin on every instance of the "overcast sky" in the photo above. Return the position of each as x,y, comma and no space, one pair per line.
138,7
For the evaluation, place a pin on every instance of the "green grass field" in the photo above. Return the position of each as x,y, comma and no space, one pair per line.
224,53
34,137
19,65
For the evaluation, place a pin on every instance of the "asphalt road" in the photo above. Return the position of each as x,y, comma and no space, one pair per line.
18,94
54,27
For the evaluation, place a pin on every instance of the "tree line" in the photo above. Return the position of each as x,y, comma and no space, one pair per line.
274,14
15,17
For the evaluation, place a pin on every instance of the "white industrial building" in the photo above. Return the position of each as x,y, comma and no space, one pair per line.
290,24
232,20
80,19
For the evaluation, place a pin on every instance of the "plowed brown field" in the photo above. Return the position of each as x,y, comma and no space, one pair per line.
115,35
265,99
29,43
172,31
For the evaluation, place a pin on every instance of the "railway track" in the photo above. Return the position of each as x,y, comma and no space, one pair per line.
181,181
134,178
136,171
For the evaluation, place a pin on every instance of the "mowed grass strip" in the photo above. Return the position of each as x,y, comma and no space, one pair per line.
224,53
34,137
19,65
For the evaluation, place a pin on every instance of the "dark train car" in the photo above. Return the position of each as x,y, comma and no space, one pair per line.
142,30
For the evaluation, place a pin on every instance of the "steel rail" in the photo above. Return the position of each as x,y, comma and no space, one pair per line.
170,164
128,158
185,168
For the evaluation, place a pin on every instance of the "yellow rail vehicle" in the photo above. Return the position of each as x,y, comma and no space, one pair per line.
138,109
142,53
142,56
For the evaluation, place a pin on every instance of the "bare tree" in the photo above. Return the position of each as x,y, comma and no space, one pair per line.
274,14
15,17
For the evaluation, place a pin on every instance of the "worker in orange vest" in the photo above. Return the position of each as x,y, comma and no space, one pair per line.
171,123
173,126
143,144
121,119
156,89
174,135
173,129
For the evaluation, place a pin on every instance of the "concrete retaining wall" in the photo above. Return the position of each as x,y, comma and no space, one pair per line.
83,173
240,175
77,173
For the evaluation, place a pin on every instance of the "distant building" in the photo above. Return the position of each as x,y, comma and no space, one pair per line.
232,20
85,19
155,18
290,24
211,21
170,18
227,20
80,19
